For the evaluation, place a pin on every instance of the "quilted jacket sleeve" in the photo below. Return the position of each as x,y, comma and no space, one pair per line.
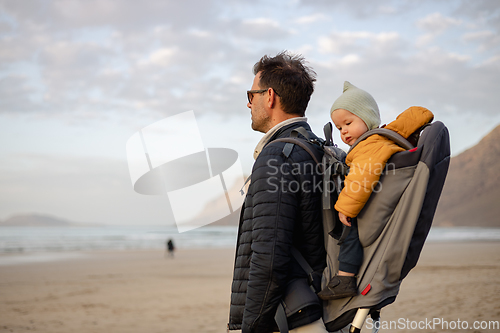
411,120
274,211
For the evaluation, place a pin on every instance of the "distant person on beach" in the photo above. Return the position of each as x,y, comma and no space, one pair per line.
170,248
282,208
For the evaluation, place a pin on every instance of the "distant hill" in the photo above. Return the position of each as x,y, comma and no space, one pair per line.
471,194
36,220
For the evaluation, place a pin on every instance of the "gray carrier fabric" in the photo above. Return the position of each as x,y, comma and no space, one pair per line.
393,225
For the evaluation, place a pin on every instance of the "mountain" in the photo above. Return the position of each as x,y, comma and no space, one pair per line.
36,220
471,193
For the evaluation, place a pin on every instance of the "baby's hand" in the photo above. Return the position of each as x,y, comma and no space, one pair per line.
344,219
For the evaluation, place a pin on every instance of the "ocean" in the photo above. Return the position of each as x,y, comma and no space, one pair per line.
16,240
71,239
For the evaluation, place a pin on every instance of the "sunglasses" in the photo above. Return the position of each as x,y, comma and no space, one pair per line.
258,91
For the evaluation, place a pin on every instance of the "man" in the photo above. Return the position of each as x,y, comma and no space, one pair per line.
282,208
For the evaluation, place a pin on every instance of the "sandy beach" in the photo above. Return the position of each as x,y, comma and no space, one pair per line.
143,291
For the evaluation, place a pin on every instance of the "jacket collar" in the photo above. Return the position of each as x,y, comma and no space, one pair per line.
274,132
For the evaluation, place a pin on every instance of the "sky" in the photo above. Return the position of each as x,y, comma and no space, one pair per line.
79,78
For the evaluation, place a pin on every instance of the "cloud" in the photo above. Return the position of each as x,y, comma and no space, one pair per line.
484,12
127,15
437,23
111,56
262,29
359,41
17,94
364,9
442,81
161,57
487,40
309,19
434,24
117,70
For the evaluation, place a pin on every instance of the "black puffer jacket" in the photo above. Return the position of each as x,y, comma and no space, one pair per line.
282,208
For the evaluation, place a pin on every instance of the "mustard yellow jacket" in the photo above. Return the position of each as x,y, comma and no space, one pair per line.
367,160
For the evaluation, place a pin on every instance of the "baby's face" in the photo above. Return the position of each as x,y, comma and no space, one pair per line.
350,126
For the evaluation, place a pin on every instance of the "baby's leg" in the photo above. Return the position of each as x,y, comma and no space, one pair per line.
350,258
351,252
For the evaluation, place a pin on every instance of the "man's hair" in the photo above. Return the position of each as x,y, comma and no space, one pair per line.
290,78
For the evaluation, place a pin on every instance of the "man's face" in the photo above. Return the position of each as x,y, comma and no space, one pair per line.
260,117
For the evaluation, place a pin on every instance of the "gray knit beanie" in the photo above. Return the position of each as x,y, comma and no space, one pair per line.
360,103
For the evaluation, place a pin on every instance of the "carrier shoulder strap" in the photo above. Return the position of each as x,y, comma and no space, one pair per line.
287,150
328,131
302,262
304,143
299,142
280,317
390,134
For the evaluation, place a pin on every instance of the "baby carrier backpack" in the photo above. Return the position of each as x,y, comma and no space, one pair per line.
392,226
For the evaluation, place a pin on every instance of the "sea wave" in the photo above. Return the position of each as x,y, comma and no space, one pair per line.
63,239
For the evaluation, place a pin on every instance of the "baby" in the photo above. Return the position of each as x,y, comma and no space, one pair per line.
354,113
